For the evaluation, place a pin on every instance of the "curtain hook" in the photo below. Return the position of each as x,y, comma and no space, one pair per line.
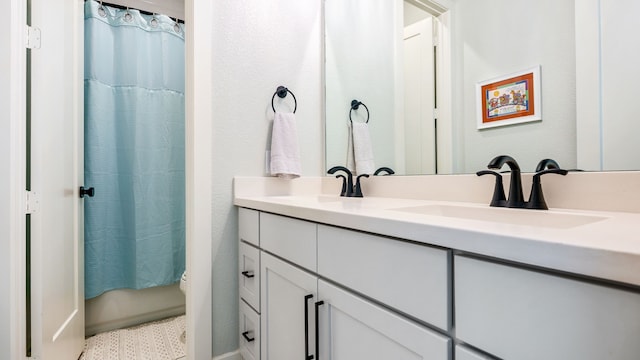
154,21
127,16
101,11
176,26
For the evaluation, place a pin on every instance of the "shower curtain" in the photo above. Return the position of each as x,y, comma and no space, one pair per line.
134,149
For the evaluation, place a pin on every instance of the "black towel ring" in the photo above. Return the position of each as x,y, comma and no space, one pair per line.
282,93
355,105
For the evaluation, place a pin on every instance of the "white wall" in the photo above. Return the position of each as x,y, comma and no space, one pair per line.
496,40
256,47
363,62
5,172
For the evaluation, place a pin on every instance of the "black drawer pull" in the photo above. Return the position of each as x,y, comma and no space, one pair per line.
318,304
306,326
248,274
245,335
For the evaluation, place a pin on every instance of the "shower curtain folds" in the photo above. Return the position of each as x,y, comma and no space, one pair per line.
134,150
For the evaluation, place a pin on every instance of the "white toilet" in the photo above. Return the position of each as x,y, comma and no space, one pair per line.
183,288
183,282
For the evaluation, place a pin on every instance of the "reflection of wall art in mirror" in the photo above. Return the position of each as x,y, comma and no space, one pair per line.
510,99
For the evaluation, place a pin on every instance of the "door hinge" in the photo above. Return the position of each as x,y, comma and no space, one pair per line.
32,202
33,37
435,113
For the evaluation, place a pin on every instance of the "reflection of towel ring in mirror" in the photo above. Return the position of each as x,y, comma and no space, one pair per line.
282,93
355,105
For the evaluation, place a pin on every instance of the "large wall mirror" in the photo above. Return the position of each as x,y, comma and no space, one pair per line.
416,65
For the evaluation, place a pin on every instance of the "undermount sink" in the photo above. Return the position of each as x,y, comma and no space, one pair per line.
537,218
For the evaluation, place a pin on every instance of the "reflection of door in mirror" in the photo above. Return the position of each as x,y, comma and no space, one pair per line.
419,98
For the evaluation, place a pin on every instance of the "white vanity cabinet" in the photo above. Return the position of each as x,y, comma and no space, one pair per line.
298,305
516,313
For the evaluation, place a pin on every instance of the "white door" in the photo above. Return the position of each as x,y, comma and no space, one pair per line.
419,103
57,269
287,302
353,328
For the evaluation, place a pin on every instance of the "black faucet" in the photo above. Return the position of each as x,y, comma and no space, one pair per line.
516,199
347,181
348,189
388,171
536,198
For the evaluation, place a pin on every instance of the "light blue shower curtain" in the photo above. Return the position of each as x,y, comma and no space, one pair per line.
134,150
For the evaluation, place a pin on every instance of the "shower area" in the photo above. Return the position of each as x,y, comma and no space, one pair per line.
134,159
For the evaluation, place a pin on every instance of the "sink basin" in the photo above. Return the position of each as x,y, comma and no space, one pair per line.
312,200
537,218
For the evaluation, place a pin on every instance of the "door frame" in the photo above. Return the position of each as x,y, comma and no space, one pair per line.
17,177
199,115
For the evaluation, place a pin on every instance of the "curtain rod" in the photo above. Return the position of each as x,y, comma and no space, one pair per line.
145,12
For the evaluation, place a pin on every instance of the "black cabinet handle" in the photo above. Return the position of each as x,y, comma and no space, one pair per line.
245,335
248,274
306,327
318,304
87,191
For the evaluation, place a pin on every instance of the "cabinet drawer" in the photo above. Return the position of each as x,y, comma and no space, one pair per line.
292,239
248,226
249,277
409,277
249,332
515,313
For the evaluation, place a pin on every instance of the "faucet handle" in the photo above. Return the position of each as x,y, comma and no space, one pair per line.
536,198
358,191
343,192
498,199
388,171
547,164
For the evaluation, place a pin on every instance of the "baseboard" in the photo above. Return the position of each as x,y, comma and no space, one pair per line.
235,355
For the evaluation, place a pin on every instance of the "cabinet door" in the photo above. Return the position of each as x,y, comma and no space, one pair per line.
287,321
521,314
463,353
352,328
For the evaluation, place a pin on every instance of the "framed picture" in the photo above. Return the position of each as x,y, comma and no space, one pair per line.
510,99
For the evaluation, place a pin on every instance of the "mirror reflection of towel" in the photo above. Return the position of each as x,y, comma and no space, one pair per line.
285,153
359,149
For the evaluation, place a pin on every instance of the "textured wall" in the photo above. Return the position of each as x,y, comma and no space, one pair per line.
256,47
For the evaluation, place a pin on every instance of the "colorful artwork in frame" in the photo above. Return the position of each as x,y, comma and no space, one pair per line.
510,99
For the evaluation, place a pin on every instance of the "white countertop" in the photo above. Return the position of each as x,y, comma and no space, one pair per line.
599,244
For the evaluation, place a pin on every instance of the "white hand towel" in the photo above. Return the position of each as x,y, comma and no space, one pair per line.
351,160
362,148
285,154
